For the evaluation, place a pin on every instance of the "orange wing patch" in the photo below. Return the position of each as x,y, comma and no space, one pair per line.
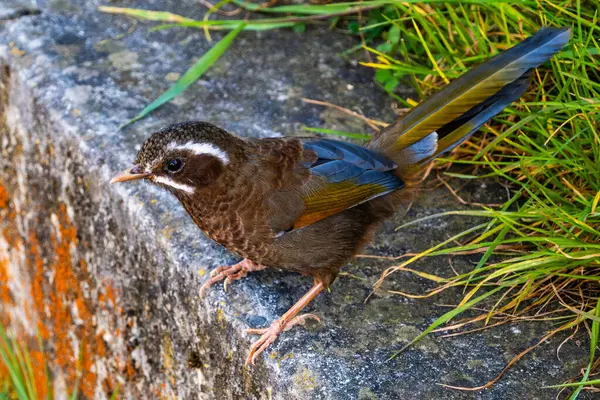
335,198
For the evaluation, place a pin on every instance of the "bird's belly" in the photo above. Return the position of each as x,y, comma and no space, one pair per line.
322,248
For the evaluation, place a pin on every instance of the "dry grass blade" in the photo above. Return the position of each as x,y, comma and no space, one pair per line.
374,124
461,200
512,362
162,16
544,147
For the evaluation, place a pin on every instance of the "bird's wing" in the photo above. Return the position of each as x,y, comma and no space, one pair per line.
342,175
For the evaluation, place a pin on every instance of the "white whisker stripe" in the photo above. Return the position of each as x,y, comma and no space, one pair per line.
201,148
179,186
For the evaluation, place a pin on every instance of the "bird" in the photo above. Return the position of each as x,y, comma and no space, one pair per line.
310,204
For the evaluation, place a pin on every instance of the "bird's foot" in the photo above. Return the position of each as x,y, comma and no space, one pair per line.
230,273
268,335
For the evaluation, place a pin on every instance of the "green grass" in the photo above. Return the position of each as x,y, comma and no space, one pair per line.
192,75
546,146
18,372
25,377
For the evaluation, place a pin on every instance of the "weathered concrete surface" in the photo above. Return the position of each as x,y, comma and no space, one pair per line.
110,275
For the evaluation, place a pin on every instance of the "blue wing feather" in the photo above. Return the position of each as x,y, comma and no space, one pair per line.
349,175
328,149
337,170
346,162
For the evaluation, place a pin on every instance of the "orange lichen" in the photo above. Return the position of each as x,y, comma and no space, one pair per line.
66,293
64,304
5,300
37,284
40,373
4,374
3,197
108,296
5,297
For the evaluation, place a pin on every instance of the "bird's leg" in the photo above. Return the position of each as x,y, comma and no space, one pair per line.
284,323
230,273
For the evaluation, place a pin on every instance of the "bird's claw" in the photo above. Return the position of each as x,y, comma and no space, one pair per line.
269,335
234,277
218,274
229,273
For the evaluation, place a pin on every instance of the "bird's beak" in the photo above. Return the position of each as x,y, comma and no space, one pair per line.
135,172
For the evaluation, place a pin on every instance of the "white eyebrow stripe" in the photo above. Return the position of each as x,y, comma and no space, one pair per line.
179,186
201,148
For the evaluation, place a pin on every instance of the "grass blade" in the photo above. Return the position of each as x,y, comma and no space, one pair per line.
115,394
306,9
195,72
9,359
228,25
148,15
593,345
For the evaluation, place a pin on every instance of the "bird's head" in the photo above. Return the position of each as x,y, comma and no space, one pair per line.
184,158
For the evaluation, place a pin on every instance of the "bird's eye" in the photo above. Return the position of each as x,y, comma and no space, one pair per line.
174,165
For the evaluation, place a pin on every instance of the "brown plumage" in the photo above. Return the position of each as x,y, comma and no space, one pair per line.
251,204
308,205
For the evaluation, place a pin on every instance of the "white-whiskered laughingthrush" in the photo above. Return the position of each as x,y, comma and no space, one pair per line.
308,205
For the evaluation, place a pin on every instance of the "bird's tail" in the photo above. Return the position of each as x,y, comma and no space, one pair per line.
448,118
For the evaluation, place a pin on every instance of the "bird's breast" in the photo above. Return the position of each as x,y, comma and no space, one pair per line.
241,228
